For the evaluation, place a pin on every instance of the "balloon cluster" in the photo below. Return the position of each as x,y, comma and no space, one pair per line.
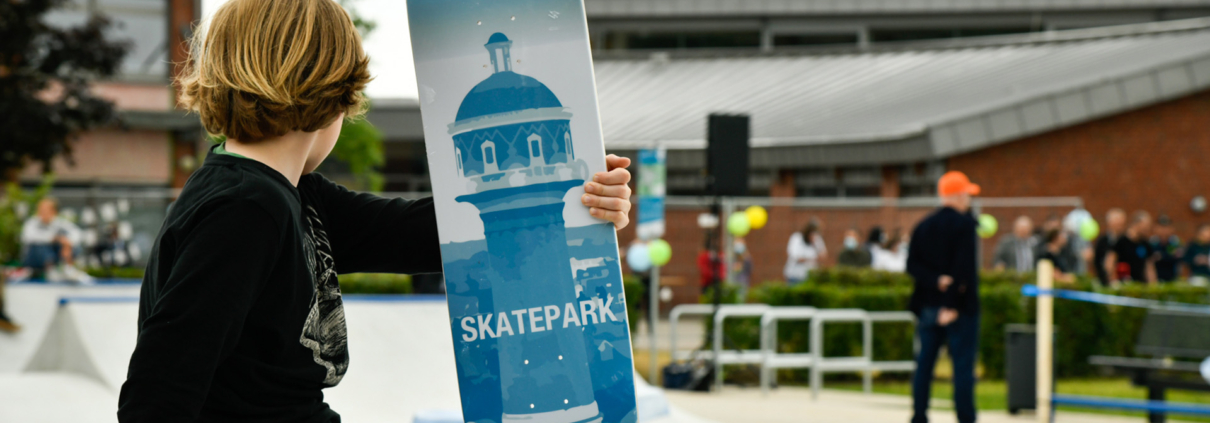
1081,222
755,217
640,257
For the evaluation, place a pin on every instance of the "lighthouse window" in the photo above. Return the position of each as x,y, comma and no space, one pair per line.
536,148
489,156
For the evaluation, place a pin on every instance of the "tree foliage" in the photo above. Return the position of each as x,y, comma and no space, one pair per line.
360,144
45,74
15,206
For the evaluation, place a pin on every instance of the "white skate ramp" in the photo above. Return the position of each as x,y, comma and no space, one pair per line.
91,337
71,370
401,359
33,305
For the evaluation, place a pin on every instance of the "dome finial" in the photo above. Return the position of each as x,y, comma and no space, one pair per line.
498,46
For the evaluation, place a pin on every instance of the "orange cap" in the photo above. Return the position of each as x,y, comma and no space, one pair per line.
955,182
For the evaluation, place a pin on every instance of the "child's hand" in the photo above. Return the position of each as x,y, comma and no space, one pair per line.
608,196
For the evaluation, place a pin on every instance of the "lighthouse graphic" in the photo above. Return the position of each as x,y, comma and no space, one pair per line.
513,147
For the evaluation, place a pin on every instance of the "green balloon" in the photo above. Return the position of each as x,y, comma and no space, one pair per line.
660,251
738,224
987,226
1089,229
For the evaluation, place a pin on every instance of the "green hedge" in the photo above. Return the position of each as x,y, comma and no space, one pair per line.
375,283
634,291
358,283
1084,328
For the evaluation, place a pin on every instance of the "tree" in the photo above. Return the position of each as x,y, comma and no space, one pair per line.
45,73
360,144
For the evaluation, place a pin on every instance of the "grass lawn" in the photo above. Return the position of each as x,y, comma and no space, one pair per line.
991,395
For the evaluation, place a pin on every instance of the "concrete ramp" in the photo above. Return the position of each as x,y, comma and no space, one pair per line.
401,360
55,398
34,305
401,350
91,337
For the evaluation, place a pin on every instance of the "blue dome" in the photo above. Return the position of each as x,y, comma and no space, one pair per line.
497,38
505,92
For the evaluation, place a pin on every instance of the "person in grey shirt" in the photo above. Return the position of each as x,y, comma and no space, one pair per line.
1016,250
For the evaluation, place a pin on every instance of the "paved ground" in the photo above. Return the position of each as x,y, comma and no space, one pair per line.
794,405
691,333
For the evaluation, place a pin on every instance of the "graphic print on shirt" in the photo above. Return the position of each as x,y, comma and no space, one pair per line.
324,332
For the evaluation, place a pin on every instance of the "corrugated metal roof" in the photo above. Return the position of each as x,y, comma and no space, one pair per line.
900,105
652,8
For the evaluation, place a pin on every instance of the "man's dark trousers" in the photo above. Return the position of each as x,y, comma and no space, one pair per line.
962,337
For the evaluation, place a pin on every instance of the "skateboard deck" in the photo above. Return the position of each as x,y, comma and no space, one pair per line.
533,282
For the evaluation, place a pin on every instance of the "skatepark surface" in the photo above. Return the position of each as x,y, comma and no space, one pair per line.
69,362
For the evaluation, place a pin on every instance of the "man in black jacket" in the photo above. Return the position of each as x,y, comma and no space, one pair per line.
941,260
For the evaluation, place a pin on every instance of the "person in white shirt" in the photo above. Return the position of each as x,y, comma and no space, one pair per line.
891,256
49,242
803,256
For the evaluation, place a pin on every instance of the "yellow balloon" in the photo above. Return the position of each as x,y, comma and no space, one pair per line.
757,217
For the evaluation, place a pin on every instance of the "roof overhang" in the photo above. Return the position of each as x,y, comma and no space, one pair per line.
960,127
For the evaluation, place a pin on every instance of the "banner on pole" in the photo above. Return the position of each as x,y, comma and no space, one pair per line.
652,174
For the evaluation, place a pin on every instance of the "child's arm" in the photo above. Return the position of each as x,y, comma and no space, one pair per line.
381,235
375,234
191,319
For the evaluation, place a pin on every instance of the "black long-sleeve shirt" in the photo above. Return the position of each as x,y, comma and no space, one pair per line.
944,244
240,313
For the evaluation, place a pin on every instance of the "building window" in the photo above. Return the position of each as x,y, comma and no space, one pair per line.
535,148
912,34
681,40
851,182
488,156
920,179
792,40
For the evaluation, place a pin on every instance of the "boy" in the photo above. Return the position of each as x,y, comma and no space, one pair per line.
1197,256
240,315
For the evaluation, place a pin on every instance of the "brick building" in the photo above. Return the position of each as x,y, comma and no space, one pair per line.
153,147
1099,118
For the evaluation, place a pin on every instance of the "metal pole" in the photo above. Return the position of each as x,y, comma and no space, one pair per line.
1045,338
653,316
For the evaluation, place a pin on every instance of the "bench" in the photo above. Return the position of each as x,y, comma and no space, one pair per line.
1167,336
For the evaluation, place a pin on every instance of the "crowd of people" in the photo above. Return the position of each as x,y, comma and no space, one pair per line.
1132,248
879,250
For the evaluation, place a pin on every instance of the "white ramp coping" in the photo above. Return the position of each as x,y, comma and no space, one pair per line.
33,306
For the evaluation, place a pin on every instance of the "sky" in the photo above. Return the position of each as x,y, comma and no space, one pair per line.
389,46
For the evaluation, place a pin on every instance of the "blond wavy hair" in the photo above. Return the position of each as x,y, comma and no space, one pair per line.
267,67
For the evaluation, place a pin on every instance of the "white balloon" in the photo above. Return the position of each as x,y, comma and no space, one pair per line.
665,294
88,216
123,206
88,237
135,251
68,214
1075,219
1206,369
125,231
109,212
